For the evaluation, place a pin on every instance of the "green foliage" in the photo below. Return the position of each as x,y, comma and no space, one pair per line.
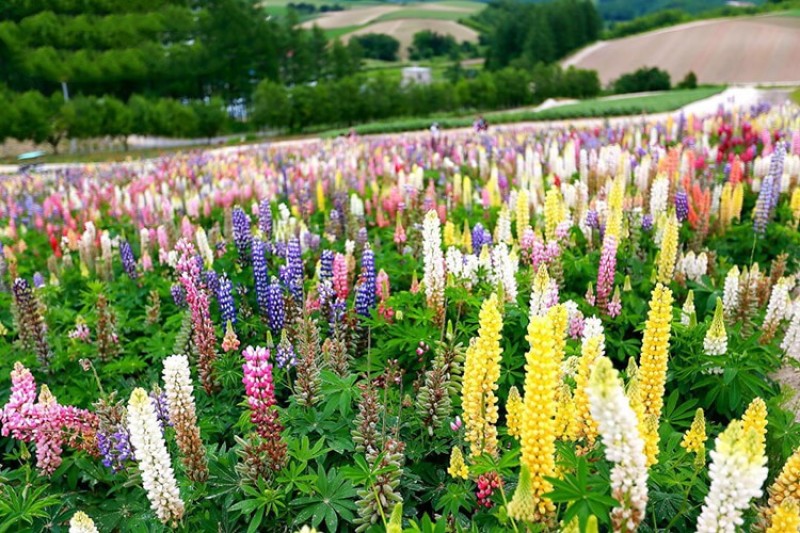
642,80
378,46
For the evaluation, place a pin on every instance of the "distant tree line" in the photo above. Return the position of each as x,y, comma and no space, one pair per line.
305,8
523,34
359,99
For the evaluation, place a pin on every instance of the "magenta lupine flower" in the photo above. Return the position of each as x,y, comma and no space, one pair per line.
615,305
605,273
340,285
47,436
18,416
202,330
258,385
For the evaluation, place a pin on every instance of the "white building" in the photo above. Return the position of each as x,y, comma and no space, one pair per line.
416,75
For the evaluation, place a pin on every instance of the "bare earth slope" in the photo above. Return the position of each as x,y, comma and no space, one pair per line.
739,50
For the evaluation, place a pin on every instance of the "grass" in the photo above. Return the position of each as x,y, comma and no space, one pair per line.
336,33
795,96
597,108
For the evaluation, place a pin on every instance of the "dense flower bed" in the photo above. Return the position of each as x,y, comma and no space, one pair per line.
531,329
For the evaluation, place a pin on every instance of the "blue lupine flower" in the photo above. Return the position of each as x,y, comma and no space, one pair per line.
128,260
241,234
260,274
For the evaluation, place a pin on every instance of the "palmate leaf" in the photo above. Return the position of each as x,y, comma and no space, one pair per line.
586,495
332,499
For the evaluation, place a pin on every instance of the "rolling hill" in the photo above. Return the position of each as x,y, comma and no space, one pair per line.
759,49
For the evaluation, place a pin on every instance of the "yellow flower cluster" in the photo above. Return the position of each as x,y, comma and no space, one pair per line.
730,206
786,518
787,485
481,372
540,404
615,199
755,417
566,424
523,212
458,468
553,213
669,251
653,364
695,439
795,203
591,350
514,412
466,238
449,234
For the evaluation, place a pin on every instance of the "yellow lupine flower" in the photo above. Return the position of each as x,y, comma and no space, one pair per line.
449,233
787,484
785,518
553,213
523,212
591,350
738,201
320,196
481,372
566,425
616,196
458,468
466,238
514,407
669,251
755,417
540,404
695,439
652,373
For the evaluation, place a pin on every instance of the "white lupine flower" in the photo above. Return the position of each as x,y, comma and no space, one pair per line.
778,307
203,248
737,472
153,459
542,293
791,341
144,239
502,231
659,196
618,427
688,310
504,270
356,206
81,523
433,260
730,293
180,404
693,266
454,260
470,271
592,327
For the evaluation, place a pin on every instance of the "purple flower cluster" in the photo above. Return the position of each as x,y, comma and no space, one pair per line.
212,281
38,280
770,190
260,274
265,219
326,265
159,399
178,295
647,222
365,290
115,447
284,354
592,220
128,260
241,234
276,306
227,306
480,236
681,205
294,268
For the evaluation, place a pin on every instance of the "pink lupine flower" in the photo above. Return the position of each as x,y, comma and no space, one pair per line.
18,415
605,272
340,285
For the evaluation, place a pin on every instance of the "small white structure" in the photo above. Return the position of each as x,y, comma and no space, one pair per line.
416,75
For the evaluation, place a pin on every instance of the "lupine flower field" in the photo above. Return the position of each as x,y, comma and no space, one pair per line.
591,328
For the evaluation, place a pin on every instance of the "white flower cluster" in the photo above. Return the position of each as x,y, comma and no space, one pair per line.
618,427
463,267
81,523
178,388
779,306
434,275
593,327
687,311
715,345
659,196
693,266
202,246
504,270
730,293
154,462
502,230
791,341
737,472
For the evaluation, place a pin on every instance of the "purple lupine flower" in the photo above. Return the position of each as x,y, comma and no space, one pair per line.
770,190
128,260
178,295
605,272
477,238
115,448
647,222
592,219
38,280
276,306
241,234
265,219
260,274
366,289
212,281
326,265
227,306
159,399
294,264
361,237
284,354
681,205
